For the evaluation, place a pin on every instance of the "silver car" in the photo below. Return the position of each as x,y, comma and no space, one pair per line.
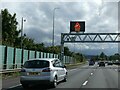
43,71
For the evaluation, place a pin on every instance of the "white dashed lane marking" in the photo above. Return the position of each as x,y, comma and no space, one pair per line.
91,74
85,83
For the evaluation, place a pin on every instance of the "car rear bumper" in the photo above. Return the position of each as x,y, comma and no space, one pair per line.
35,80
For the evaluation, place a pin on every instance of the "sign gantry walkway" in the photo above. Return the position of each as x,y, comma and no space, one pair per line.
88,38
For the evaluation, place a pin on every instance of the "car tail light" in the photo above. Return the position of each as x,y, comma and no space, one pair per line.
47,70
23,70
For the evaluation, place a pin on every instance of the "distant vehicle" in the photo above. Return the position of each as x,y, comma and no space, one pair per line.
101,64
43,71
110,63
106,62
117,62
91,62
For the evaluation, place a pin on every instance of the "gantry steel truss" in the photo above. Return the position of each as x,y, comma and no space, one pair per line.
88,38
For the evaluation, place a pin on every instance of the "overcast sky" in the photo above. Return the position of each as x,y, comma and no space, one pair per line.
98,16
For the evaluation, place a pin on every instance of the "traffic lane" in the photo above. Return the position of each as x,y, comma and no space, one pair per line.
6,83
103,77
12,82
76,78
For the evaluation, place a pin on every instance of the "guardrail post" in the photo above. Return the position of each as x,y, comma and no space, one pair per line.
35,53
39,54
43,55
46,55
14,53
22,57
28,54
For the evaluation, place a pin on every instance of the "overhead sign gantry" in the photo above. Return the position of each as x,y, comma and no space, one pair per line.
86,37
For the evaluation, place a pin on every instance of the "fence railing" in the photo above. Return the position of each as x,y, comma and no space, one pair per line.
13,58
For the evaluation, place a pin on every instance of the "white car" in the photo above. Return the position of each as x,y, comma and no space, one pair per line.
43,71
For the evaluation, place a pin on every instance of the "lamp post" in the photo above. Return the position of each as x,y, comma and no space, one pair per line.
23,20
53,24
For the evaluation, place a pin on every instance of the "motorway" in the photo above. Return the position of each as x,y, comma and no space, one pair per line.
82,77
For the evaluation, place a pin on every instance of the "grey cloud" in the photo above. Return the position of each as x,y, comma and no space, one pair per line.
39,35
39,17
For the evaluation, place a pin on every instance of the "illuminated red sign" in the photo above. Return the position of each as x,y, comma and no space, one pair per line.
77,27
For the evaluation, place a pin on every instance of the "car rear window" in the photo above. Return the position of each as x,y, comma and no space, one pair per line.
36,64
102,62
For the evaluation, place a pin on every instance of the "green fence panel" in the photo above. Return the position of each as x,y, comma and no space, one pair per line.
68,59
57,55
44,55
71,61
41,54
25,55
47,55
2,56
10,55
37,54
64,60
1,61
54,55
18,57
51,55
32,55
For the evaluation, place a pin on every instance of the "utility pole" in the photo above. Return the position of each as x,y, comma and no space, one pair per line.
22,32
53,24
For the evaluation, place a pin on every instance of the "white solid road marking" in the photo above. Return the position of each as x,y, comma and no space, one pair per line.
85,83
15,86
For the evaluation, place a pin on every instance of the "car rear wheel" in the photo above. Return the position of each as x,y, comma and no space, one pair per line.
65,78
26,86
54,83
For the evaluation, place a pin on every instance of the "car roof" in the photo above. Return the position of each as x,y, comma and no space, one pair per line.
46,59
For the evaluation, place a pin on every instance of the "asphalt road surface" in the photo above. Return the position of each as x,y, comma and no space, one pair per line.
83,77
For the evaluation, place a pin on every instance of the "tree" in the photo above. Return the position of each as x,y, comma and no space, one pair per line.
9,28
103,56
114,57
10,37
